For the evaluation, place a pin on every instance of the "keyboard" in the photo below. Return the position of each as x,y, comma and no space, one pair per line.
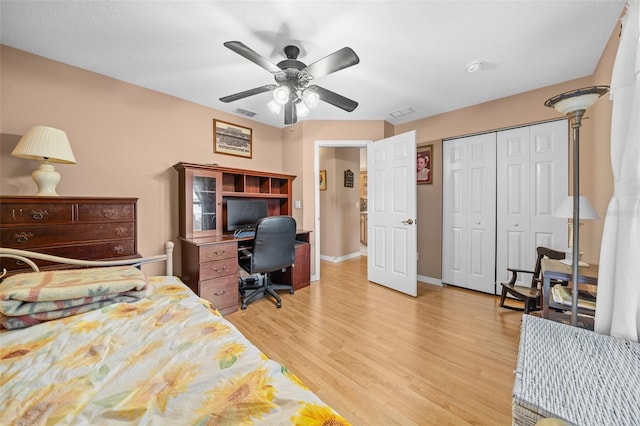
244,234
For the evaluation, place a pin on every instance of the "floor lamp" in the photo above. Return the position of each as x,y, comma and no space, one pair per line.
574,104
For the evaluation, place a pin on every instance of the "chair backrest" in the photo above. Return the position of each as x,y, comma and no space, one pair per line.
273,244
544,252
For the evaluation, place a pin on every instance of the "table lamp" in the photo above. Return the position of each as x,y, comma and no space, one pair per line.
48,145
565,211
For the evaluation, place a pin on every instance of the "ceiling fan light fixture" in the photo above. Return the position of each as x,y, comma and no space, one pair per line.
301,109
274,107
281,95
311,98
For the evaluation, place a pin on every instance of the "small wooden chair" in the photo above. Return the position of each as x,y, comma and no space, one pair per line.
529,295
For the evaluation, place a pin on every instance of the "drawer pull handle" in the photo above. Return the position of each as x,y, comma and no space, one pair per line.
121,231
39,214
220,294
218,253
23,237
108,212
224,268
118,249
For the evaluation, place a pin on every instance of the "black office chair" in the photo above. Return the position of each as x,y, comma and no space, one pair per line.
273,249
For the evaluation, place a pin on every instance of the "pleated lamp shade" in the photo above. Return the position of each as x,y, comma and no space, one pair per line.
42,142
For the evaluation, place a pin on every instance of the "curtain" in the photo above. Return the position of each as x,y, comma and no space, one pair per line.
618,301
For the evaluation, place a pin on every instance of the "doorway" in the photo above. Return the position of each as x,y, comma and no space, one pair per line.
362,144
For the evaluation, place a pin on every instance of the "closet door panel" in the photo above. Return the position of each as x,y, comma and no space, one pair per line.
550,181
455,203
513,203
468,243
482,213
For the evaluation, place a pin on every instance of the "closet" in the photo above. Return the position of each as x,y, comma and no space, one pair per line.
499,193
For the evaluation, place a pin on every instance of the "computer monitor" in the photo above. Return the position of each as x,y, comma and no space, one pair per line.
244,214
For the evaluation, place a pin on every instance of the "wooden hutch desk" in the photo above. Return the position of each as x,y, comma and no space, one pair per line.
209,250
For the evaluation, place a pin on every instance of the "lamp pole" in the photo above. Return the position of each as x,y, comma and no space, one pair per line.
576,121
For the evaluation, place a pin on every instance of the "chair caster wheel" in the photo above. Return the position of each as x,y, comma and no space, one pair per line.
243,306
291,291
278,305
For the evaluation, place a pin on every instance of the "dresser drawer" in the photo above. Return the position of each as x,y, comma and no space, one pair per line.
218,268
35,213
94,251
218,251
221,292
96,212
38,236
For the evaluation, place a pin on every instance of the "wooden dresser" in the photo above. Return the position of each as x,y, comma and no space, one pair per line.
90,228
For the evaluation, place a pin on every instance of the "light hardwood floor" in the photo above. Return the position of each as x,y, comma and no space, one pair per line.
382,358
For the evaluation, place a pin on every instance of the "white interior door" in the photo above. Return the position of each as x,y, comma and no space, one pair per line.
469,196
392,231
532,181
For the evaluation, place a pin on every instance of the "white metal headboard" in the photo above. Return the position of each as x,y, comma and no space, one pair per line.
26,256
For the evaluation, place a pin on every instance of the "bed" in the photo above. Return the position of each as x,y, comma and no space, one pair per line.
165,357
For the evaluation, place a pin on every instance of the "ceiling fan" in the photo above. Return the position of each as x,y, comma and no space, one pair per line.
293,89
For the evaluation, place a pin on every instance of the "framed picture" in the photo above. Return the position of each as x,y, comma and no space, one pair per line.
424,164
231,139
323,180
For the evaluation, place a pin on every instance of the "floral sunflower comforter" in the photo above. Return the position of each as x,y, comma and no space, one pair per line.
167,359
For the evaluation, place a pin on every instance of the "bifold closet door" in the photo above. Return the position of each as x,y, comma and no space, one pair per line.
469,203
532,180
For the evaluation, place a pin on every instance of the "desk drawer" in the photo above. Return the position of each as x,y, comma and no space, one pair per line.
218,252
219,268
221,292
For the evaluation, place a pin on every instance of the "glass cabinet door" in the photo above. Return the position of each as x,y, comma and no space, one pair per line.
204,203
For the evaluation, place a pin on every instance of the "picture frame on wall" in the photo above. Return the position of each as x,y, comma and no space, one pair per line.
323,180
424,164
232,139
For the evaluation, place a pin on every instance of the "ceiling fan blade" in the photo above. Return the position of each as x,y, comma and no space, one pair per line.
247,93
336,61
334,99
290,113
245,51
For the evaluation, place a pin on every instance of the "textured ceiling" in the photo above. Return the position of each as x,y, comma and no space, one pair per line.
413,54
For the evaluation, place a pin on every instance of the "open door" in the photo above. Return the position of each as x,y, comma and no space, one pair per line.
392,230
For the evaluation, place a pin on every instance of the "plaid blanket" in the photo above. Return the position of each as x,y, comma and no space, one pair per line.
30,298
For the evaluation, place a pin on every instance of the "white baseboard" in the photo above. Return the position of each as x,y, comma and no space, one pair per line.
429,280
340,258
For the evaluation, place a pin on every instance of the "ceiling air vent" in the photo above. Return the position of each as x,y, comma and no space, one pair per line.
245,112
401,112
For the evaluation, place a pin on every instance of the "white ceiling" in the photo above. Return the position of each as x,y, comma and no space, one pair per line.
413,54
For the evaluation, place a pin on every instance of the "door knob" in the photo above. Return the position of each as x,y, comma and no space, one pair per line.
408,221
